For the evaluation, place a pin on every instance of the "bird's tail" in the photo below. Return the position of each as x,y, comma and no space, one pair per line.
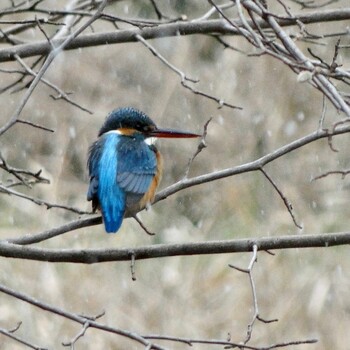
112,214
110,195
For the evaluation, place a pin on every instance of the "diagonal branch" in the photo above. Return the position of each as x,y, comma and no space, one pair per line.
78,318
184,183
61,94
202,144
321,81
285,200
253,165
184,78
54,51
90,322
10,334
43,236
40,201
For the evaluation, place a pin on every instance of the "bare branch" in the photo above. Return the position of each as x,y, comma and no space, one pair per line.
229,344
84,321
198,180
19,172
43,236
283,197
40,201
10,334
61,94
82,332
132,267
165,30
35,125
255,165
93,256
91,322
256,316
320,81
52,55
142,225
183,76
164,60
343,174
202,144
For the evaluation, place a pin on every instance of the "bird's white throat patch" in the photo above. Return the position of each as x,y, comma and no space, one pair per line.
151,141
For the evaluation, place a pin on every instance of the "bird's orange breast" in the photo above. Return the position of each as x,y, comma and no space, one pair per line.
148,197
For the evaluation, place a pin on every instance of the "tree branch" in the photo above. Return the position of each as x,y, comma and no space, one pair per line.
93,256
90,322
84,321
256,315
43,236
10,334
229,344
253,165
184,183
164,30
40,201
53,51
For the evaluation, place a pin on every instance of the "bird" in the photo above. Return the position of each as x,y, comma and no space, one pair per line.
124,165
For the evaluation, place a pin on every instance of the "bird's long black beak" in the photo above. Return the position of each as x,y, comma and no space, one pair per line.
171,133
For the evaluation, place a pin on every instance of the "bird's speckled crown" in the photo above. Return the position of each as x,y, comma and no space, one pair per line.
126,117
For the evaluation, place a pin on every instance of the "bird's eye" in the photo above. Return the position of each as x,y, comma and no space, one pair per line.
148,128
140,127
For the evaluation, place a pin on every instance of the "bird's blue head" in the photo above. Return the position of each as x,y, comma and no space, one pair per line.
129,120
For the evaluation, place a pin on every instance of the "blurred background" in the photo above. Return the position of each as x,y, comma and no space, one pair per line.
194,296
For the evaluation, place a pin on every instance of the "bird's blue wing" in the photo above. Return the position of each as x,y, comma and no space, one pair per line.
136,168
104,190
93,161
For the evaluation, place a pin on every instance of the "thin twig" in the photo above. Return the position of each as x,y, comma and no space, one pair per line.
184,78
182,75
10,334
19,172
256,316
40,201
323,114
34,125
202,144
132,266
83,330
283,197
61,94
343,174
142,225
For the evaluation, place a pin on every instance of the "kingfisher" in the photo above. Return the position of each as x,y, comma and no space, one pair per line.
125,167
